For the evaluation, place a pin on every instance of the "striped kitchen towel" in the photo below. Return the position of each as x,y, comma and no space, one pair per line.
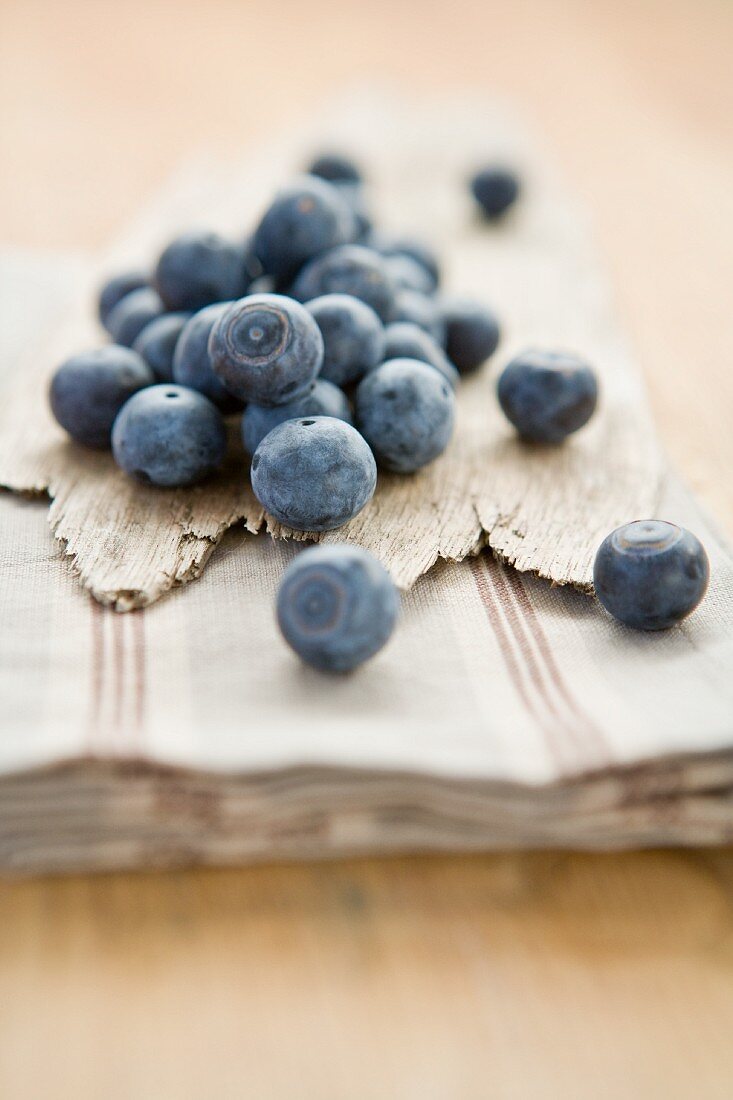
503,713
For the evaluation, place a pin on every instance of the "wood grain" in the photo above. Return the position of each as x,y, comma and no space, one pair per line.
521,977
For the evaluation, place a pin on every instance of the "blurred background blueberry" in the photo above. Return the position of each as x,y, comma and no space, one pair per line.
197,269
405,340
351,269
471,333
547,395
157,343
304,219
127,319
115,289
495,189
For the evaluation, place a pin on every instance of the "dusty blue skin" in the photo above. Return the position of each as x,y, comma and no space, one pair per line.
132,313
115,289
266,348
650,574
495,189
353,195
336,607
417,251
169,435
335,168
191,362
353,337
408,274
405,410
404,340
306,218
324,399
157,343
88,390
351,269
197,269
471,333
418,309
313,474
547,395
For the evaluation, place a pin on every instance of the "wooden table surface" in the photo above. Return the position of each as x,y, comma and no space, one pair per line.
537,975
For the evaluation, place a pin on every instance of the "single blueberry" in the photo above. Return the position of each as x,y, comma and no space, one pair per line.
335,167
405,410
417,251
304,220
353,195
336,606
88,390
404,340
650,574
418,309
408,274
313,474
547,395
157,343
116,288
324,399
353,337
351,269
197,269
471,333
266,348
169,435
192,363
495,189
132,313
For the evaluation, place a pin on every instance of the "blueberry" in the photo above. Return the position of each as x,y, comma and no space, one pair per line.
335,168
353,337
252,266
191,361
88,390
336,606
304,220
351,269
404,410
404,340
547,395
414,250
650,574
353,195
197,269
417,309
157,343
408,274
313,474
169,435
495,190
128,318
266,348
324,399
116,288
471,333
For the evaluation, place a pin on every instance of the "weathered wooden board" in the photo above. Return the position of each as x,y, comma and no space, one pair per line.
544,510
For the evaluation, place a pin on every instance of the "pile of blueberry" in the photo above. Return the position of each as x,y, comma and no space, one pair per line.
336,348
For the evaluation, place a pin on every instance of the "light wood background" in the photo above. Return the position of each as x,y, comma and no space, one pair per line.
519,976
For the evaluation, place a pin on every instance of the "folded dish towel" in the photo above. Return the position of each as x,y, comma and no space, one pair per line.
504,712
